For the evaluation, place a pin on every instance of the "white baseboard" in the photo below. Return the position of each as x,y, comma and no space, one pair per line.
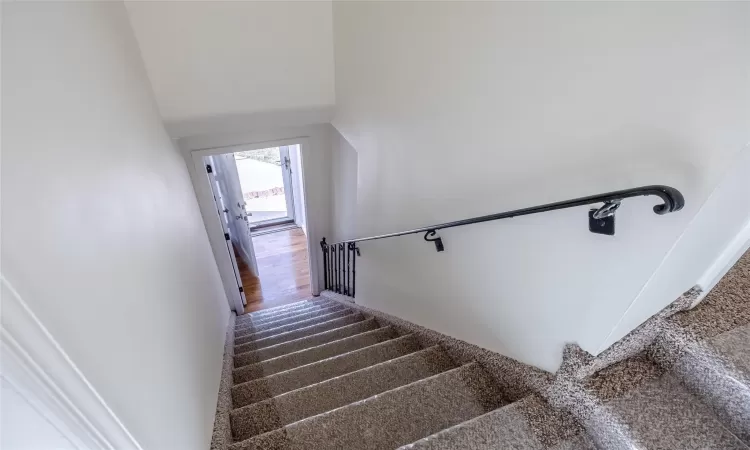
42,372
739,245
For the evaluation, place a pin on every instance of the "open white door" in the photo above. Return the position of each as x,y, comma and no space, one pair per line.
238,212
224,211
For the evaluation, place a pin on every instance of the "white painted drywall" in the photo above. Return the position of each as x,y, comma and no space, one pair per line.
459,109
343,189
102,236
216,58
22,427
723,217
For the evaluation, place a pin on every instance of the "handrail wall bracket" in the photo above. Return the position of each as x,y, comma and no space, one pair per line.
602,219
437,240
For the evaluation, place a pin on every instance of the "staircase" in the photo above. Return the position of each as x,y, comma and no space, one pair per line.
327,374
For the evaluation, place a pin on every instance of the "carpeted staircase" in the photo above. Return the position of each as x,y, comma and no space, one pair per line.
327,374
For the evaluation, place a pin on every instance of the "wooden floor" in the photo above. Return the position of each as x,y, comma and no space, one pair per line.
283,267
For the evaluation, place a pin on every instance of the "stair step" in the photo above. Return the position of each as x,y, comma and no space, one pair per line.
729,392
301,332
390,419
311,355
716,370
661,413
288,320
735,346
248,332
285,307
325,396
247,354
263,388
244,321
506,427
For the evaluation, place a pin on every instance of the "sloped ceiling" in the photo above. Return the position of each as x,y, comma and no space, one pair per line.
213,59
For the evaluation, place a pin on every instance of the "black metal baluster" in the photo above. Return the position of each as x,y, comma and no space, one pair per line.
341,268
355,252
335,268
330,268
348,268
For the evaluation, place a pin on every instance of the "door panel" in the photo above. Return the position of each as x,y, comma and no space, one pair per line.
239,217
223,211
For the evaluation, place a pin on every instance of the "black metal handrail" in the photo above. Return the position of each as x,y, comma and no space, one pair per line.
340,256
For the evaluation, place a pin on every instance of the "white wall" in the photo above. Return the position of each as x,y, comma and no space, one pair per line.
220,58
459,109
102,237
315,152
343,189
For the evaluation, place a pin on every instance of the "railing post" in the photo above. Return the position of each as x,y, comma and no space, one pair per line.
324,249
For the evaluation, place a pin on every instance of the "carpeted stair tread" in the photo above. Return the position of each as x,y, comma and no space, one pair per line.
517,426
735,346
300,377
289,320
661,413
284,308
278,308
390,419
248,354
256,335
716,370
302,332
243,322
311,355
333,393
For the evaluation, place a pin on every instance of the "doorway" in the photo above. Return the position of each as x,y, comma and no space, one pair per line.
266,179
258,194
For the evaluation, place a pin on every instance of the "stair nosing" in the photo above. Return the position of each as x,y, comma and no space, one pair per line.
288,306
305,337
292,311
312,335
370,367
316,346
251,325
355,313
370,399
332,357
294,323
